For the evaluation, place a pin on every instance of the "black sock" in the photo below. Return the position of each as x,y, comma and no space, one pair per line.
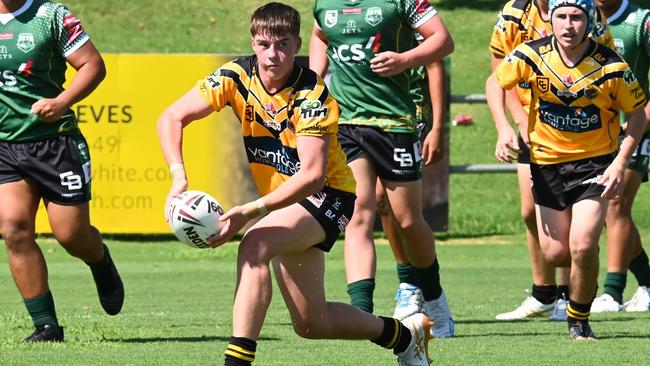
240,352
563,292
577,311
395,335
42,310
103,265
406,274
545,294
361,294
430,281
615,285
641,269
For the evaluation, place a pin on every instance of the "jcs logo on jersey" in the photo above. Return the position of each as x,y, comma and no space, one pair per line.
356,52
331,17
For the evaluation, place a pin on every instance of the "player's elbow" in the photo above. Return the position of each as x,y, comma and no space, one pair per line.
448,46
314,181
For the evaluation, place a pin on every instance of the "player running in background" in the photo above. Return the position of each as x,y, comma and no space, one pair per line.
577,87
521,21
307,192
43,155
630,27
430,127
372,43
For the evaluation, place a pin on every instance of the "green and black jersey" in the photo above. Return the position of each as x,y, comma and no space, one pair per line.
358,30
34,43
630,26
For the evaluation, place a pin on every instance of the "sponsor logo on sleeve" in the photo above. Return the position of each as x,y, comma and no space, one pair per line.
73,26
312,109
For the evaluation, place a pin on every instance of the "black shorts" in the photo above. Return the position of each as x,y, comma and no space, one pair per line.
395,156
559,186
333,210
524,151
59,166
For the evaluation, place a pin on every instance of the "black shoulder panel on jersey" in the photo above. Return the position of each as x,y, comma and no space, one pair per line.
247,63
521,4
542,45
605,55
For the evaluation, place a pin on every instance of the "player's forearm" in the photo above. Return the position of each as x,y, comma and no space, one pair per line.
495,99
170,135
636,126
85,81
299,186
437,93
434,48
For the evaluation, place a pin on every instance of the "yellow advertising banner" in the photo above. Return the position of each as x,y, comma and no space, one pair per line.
130,179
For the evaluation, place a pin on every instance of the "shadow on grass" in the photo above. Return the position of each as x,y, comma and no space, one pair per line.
179,339
525,321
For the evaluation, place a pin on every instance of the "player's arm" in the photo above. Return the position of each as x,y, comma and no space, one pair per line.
90,72
612,178
318,52
171,122
310,178
517,111
432,146
437,45
507,139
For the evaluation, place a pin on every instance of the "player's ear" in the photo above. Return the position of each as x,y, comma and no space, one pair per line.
298,44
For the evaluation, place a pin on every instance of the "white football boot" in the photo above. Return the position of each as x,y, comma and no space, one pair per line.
559,311
438,311
529,308
605,303
417,353
409,301
640,301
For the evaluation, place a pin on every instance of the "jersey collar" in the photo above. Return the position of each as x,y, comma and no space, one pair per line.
7,17
619,12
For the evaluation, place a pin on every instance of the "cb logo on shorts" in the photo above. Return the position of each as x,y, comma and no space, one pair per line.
404,158
71,181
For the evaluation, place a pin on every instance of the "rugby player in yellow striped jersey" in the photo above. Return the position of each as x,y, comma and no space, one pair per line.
289,123
521,21
578,89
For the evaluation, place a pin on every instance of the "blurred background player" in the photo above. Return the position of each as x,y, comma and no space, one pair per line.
306,203
372,43
522,21
43,155
430,112
629,25
577,85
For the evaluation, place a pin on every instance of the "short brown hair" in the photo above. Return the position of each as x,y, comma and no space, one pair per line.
275,19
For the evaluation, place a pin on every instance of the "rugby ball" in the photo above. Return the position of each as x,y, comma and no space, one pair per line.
194,217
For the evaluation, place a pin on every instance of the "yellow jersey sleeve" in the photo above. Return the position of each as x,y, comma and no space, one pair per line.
503,36
513,70
219,88
629,93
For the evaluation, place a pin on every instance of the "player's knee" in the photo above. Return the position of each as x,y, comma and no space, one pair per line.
619,208
583,250
557,257
310,329
16,234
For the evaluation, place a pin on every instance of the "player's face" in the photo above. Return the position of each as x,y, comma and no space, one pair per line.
569,26
275,54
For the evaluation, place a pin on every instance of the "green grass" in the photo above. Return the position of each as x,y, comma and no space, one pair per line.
178,306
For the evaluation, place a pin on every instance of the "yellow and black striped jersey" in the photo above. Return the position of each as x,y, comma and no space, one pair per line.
520,21
271,122
574,111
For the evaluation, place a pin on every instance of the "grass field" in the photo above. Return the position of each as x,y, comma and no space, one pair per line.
177,312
